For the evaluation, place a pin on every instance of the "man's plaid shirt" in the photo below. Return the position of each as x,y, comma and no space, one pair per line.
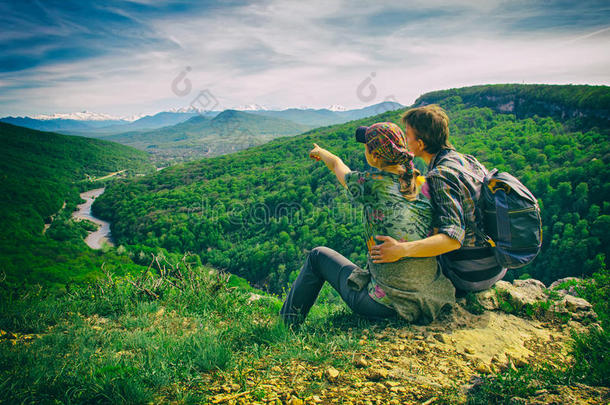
453,195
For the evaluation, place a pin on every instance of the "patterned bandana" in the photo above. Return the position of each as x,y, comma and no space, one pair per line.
388,141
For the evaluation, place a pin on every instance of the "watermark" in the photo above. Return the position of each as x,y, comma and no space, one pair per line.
366,92
232,134
181,92
237,213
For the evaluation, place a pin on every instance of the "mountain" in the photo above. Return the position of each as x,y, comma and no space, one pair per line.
280,203
148,122
80,116
99,125
329,116
201,136
59,124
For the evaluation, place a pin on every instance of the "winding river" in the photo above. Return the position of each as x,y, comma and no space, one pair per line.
95,239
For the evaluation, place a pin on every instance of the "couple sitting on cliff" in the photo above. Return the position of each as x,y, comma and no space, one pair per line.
421,239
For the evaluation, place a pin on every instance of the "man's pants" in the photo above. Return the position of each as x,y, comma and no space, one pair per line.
324,264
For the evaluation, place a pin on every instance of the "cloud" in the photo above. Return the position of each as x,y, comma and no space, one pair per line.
121,58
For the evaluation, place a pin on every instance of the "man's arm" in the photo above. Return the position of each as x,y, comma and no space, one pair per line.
391,249
334,163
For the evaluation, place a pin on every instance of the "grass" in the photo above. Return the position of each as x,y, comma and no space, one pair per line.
155,337
177,332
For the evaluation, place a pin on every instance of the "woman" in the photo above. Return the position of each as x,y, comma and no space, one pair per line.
413,288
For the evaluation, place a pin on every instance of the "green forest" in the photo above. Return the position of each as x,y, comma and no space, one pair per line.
41,173
257,212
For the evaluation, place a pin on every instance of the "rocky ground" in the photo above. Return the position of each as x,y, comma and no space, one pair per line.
437,363
513,326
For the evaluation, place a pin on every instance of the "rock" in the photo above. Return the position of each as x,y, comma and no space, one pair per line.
439,337
488,299
529,283
483,368
360,361
331,374
295,401
254,297
570,290
523,292
377,374
503,285
575,304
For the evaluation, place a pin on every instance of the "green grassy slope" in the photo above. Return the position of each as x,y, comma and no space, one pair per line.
255,212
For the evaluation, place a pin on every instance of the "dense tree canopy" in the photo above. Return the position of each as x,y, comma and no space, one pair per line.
256,212
39,173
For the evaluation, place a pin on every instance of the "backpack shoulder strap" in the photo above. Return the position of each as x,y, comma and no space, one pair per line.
480,201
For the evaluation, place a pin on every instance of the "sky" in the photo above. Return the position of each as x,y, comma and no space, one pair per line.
141,57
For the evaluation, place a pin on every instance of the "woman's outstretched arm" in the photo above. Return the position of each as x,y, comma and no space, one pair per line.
334,163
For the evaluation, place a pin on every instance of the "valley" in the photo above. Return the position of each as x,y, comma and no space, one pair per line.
182,305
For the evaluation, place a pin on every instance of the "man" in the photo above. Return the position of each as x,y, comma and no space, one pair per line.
463,253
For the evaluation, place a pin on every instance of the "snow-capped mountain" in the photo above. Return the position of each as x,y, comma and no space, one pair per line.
336,107
78,116
86,116
134,117
251,107
96,124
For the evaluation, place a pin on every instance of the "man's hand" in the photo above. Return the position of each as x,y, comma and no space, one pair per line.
389,251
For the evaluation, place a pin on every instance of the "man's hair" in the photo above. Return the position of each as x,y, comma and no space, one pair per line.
431,125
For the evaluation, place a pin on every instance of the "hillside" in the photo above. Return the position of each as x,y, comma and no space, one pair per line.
255,213
197,336
580,106
42,174
41,169
201,136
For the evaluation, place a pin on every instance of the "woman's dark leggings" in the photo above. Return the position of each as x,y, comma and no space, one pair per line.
324,264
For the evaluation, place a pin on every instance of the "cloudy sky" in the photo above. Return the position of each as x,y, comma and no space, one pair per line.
142,56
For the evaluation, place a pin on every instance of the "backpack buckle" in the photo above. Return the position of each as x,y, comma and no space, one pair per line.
495,185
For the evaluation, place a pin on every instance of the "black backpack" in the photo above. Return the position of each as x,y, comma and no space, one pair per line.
511,218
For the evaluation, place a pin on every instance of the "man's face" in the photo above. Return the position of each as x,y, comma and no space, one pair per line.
415,145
